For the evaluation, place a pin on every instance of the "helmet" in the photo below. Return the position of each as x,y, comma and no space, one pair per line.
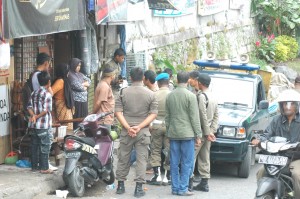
289,96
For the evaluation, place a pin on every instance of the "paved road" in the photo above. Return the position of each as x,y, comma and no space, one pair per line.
223,185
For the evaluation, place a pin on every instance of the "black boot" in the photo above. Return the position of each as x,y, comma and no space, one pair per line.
139,192
191,181
156,179
121,187
202,186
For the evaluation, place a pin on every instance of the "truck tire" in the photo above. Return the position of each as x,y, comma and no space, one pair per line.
244,167
75,182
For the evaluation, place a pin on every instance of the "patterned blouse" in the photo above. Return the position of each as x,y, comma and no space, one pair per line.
80,95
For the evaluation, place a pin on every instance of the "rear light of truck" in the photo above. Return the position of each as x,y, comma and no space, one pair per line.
71,145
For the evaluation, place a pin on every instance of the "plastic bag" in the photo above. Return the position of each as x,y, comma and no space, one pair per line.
4,55
23,164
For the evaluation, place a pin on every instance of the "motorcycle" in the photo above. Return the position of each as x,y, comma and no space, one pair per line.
278,153
88,155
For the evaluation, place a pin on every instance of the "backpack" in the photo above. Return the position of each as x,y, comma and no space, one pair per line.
26,93
206,98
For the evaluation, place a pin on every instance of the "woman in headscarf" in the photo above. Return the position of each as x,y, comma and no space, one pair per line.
79,84
62,94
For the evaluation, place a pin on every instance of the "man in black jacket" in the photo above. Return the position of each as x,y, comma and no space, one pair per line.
287,125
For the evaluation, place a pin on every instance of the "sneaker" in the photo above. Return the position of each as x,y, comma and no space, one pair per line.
188,193
53,168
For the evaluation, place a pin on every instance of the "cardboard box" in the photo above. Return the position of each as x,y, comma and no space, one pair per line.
4,147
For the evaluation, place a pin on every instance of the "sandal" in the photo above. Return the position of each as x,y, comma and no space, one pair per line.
49,171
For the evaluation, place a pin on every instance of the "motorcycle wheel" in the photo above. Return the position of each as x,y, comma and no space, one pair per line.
110,179
76,182
268,195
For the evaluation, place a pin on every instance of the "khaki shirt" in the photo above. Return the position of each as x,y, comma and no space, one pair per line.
104,101
161,96
114,65
209,117
136,102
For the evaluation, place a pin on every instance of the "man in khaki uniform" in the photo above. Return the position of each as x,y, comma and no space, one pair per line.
136,108
158,133
104,100
208,111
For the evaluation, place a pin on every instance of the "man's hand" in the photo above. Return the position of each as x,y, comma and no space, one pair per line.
32,119
255,142
197,141
211,137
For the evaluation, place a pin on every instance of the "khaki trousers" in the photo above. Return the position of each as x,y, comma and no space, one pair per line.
140,143
202,158
295,170
159,141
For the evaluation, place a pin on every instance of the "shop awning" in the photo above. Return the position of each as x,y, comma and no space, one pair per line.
37,17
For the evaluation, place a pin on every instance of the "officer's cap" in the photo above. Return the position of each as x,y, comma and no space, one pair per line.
162,76
204,79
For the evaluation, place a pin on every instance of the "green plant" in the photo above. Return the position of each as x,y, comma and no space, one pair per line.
281,52
290,42
265,47
277,16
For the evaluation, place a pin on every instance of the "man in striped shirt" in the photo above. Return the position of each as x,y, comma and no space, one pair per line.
39,108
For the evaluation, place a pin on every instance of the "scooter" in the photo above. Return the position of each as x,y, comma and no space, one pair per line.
278,153
88,155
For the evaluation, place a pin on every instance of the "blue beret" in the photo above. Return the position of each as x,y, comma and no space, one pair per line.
162,76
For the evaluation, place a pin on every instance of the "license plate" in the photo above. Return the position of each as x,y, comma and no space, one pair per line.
72,154
271,159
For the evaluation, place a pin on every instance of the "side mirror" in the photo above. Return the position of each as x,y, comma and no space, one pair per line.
263,104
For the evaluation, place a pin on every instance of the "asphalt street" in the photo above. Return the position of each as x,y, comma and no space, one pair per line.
224,184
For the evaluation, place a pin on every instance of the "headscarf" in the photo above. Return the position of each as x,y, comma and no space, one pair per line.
62,71
73,75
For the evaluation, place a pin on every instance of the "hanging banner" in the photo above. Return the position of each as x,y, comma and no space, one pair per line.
161,4
209,7
184,7
37,17
4,111
119,11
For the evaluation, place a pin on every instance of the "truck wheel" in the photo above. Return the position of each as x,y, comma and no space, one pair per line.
268,195
244,167
76,182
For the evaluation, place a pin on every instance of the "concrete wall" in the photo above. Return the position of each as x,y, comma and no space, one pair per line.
228,33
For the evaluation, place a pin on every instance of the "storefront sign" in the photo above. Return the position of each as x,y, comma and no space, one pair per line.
184,7
4,111
209,7
36,17
119,11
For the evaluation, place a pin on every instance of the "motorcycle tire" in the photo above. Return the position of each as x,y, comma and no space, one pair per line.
75,182
268,195
111,178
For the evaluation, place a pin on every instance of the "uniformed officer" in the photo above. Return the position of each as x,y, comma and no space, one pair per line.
158,133
136,108
208,111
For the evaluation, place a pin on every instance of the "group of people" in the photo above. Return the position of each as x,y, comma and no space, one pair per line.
172,121
175,122
69,92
